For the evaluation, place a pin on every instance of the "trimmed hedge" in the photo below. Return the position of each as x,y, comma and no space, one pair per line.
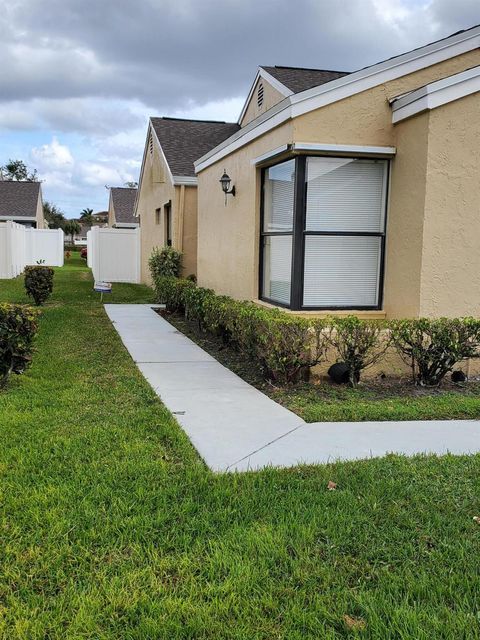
18,326
286,346
283,345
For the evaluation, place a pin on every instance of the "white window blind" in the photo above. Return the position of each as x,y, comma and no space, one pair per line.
341,271
345,194
277,268
279,189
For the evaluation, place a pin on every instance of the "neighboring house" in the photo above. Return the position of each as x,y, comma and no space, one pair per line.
355,192
22,202
167,194
121,208
100,218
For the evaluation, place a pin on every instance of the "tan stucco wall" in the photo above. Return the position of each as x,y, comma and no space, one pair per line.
228,237
271,97
403,252
450,282
155,190
41,224
111,212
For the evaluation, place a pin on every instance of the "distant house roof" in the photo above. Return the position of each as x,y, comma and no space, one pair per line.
184,141
123,200
298,79
19,199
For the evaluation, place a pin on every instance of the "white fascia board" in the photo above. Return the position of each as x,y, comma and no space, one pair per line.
344,87
271,154
187,181
344,149
436,94
22,218
327,149
261,73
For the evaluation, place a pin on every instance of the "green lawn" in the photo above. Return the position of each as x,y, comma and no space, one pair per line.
112,528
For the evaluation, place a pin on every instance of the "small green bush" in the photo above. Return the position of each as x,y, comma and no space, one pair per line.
18,326
358,343
165,262
432,347
39,283
170,292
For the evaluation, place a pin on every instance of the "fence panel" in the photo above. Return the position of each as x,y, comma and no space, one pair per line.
21,246
114,254
45,246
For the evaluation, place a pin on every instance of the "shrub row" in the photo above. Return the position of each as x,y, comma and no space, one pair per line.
286,346
18,326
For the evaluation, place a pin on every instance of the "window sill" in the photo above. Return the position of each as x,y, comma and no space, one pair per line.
365,314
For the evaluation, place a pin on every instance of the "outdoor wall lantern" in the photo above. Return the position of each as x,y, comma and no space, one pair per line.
225,181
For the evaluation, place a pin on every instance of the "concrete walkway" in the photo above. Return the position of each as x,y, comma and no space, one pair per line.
236,427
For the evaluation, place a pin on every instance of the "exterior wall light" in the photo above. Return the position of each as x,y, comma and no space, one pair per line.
225,181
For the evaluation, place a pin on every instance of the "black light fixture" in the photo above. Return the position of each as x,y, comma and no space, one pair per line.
225,181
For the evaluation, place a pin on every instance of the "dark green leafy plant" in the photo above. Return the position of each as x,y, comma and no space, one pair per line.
432,347
39,283
284,346
358,343
166,261
18,326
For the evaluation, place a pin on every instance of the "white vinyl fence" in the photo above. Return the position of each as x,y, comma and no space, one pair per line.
21,246
114,254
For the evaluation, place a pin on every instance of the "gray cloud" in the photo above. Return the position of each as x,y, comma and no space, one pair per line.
90,71
167,52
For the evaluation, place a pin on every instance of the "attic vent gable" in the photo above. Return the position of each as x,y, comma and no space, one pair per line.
260,94
150,144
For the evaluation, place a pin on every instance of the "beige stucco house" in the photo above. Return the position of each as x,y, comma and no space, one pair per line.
354,192
166,203
121,208
21,202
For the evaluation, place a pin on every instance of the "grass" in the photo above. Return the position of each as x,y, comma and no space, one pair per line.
328,402
112,528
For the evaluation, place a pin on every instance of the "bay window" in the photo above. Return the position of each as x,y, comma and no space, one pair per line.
323,232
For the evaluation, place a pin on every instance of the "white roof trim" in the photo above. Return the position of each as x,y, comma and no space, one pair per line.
350,149
187,181
271,154
327,149
330,92
125,225
436,94
13,218
276,84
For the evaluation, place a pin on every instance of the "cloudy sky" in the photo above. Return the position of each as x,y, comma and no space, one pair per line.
79,78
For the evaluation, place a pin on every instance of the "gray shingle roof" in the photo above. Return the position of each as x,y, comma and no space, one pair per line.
184,141
19,199
123,199
297,79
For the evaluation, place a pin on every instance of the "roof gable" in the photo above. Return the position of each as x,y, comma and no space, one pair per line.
183,141
123,202
298,79
19,199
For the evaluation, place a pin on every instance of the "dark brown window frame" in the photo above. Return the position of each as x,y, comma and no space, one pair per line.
299,233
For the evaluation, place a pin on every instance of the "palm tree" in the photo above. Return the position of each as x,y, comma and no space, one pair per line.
72,227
